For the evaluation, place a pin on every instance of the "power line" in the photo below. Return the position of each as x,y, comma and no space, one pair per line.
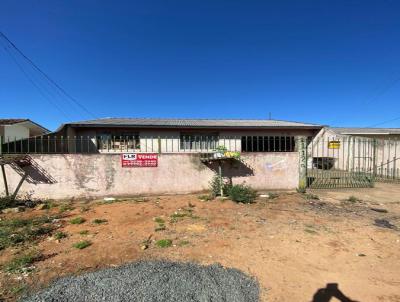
37,86
385,122
59,88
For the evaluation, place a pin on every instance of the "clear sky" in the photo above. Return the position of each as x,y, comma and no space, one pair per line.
328,62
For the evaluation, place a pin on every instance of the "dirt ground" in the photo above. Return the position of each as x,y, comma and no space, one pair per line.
293,244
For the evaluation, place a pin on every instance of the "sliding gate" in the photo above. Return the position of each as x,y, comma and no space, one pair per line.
346,162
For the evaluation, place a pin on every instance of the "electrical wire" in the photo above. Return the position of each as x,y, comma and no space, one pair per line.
47,77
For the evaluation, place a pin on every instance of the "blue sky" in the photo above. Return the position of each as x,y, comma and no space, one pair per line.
329,62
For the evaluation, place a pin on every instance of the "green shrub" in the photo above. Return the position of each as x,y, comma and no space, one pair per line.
82,244
84,232
163,243
60,235
242,193
77,220
99,221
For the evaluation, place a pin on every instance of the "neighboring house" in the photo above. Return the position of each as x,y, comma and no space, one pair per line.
357,149
377,133
184,135
17,129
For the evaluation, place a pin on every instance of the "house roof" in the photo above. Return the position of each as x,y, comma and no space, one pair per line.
35,128
190,123
366,131
12,121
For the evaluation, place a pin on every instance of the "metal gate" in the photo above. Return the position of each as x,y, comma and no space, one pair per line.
346,162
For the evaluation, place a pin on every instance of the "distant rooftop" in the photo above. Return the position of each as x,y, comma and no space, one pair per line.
191,123
366,131
12,121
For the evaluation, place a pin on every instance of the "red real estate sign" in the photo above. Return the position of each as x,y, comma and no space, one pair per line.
139,160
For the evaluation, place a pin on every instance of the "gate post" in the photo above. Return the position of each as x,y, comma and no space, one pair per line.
374,159
302,149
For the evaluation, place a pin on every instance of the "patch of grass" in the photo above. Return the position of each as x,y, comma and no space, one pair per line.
84,232
77,220
66,207
19,231
353,199
310,196
60,235
49,204
18,289
99,221
82,244
183,243
163,243
21,262
159,220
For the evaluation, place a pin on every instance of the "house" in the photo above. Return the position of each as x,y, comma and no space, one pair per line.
16,129
365,150
183,135
374,133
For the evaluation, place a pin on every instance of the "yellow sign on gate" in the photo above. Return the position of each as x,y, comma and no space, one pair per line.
334,145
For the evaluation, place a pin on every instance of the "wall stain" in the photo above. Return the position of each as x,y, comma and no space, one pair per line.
109,172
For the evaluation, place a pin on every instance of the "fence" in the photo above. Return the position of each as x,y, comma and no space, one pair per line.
148,144
352,161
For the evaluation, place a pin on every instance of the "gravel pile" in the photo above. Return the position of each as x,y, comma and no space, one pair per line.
154,281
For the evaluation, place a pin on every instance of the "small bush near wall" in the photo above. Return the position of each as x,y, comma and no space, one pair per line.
242,193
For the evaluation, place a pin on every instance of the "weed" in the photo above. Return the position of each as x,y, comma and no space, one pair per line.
159,220
99,221
310,196
353,199
242,193
18,289
60,235
84,232
21,262
183,243
49,204
66,207
163,243
82,244
77,220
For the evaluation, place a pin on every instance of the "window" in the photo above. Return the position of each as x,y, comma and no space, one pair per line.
268,144
198,141
118,141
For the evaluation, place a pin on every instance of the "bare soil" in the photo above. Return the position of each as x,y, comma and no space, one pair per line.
293,244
